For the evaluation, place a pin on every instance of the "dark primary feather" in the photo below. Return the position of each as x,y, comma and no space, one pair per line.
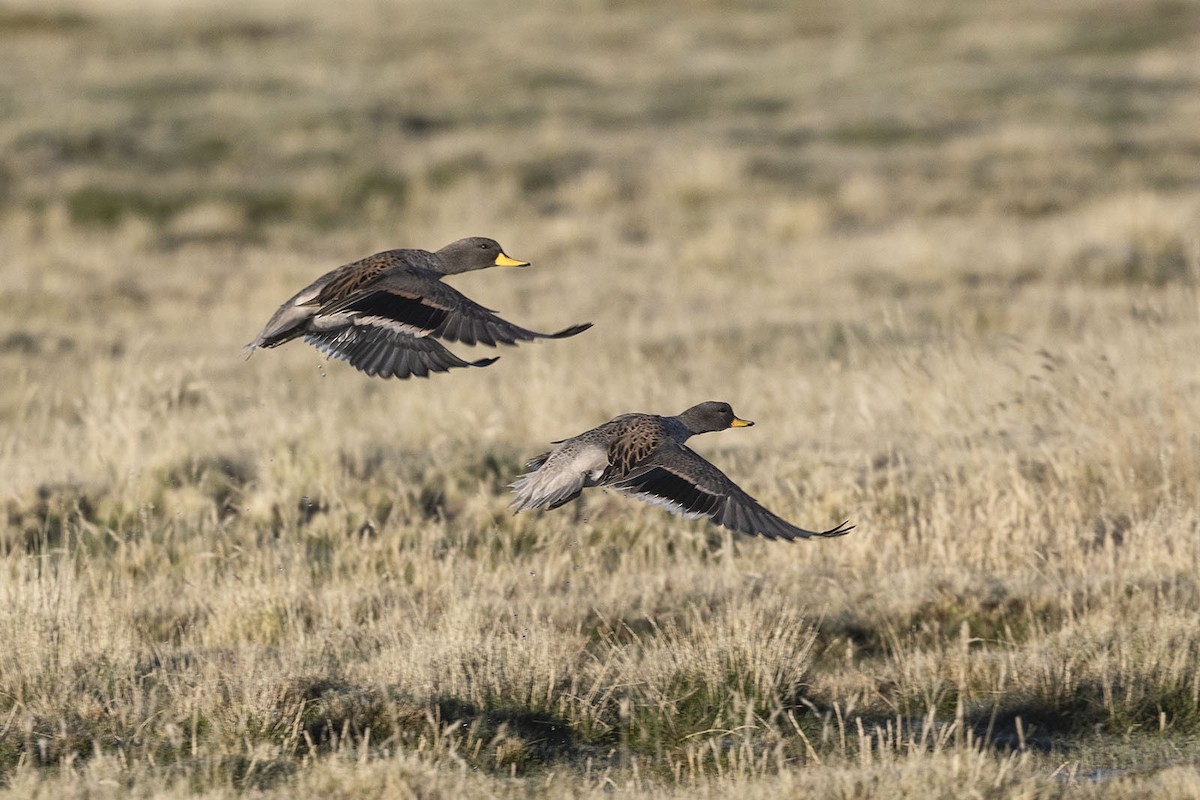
415,312
669,486
388,354
441,311
678,477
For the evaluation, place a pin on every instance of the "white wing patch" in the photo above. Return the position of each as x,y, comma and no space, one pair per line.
662,502
346,319
392,325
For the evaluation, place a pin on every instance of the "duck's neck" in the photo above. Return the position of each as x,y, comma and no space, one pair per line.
677,430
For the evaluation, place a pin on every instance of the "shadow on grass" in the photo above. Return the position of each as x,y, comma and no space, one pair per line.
503,738
1067,723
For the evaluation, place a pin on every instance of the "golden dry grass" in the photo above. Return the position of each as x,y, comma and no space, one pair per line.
944,255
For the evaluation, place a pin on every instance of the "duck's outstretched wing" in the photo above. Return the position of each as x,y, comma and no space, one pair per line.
680,480
388,353
425,306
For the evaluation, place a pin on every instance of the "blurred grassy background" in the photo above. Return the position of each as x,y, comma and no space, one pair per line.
944,254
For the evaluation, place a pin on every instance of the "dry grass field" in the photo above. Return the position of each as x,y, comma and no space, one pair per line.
945,254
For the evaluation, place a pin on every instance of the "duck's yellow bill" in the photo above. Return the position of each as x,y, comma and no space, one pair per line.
503,260
740,423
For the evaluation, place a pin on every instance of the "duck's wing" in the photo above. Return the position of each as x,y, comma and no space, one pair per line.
679,479
388,353
418,303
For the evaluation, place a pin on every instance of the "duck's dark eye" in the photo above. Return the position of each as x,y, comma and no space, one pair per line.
484,246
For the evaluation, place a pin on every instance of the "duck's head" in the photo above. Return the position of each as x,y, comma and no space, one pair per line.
476,252
711,416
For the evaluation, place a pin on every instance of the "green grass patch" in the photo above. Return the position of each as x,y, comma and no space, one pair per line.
20,21
1153,261
48,517
100,206
263,206
993,616
379,185
1134,28
549,173
887,132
